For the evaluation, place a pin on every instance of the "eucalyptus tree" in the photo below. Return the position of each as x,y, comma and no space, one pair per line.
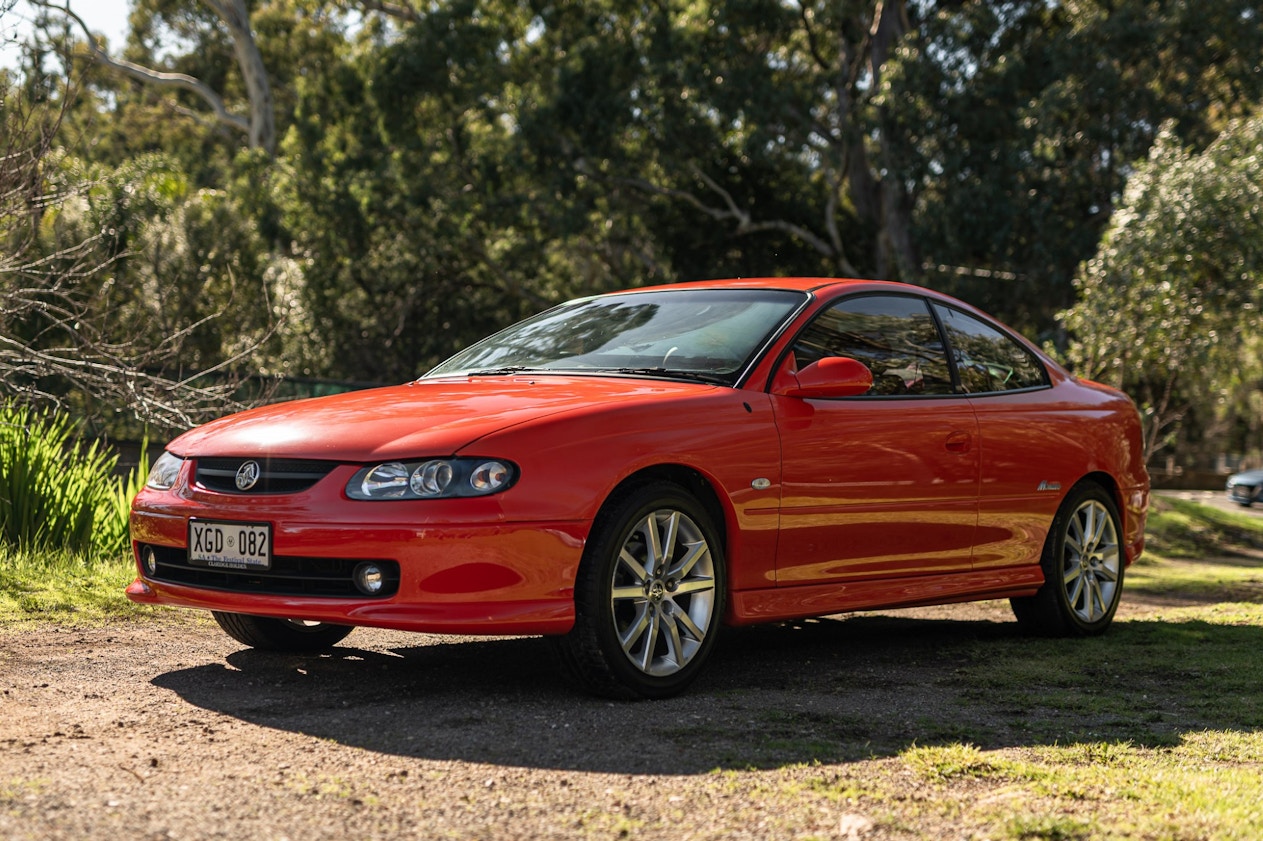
257,123
1021,121
1169,308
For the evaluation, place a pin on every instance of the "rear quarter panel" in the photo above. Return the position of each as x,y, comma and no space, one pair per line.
1035,447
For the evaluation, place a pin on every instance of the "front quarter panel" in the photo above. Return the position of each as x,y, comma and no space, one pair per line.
570,465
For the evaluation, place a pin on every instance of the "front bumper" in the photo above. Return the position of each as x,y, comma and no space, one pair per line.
1244,494
460,578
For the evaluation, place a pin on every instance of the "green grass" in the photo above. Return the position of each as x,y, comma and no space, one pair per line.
1180,528
1153,731
56,491
64,544
1208,785
61,587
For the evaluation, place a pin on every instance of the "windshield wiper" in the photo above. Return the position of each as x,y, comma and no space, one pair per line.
500,372
674,373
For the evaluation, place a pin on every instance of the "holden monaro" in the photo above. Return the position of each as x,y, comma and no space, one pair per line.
629,473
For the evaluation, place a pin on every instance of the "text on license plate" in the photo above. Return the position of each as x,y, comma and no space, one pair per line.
217,543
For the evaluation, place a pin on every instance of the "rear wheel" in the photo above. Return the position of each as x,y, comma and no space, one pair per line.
281,634
649,596
1083,568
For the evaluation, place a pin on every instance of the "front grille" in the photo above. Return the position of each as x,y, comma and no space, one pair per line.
276,475
289,575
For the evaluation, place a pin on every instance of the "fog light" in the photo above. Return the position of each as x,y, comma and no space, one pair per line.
369,579
151,560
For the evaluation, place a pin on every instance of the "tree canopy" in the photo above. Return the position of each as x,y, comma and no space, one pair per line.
1169,307
360,188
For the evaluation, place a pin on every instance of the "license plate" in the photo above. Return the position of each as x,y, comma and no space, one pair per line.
229,545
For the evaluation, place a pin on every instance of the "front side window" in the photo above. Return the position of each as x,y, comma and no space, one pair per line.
988,360
894,335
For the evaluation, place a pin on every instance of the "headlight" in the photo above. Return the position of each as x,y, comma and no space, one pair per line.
436,478
164,472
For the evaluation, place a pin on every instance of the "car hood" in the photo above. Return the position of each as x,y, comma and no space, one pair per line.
1248,477
423,418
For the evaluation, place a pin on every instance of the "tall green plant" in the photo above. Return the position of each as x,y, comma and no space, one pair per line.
55,491
112,534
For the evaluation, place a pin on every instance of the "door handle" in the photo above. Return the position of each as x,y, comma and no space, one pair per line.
959,442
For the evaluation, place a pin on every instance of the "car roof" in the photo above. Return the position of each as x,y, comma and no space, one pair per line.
802,284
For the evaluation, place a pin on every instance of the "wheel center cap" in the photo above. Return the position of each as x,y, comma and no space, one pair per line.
656,591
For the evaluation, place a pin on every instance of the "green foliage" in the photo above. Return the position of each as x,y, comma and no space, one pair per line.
183,262
56,494
1178,279
443,172
113,523
1021,120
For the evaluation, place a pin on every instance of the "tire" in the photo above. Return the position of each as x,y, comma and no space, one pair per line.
1083,568
281,634
645,630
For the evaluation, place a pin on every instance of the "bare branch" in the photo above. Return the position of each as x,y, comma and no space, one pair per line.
746,226
966,271
813,46
59,341
153,77
259,128
731,211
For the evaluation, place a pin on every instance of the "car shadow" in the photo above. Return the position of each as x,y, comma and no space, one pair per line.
827,690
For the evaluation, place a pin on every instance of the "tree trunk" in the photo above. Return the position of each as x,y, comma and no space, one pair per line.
897,254
262,117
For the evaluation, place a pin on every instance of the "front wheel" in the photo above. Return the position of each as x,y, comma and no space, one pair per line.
281,634
649,596
1083,568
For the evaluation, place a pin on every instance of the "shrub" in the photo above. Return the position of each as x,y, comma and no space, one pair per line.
56,493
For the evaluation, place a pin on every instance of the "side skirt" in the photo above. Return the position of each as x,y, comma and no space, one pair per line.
775,604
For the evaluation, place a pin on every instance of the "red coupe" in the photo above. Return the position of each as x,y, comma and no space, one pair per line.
628,473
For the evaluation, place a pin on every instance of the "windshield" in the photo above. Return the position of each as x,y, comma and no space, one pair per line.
703,334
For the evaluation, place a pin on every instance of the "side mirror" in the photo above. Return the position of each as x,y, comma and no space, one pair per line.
832,376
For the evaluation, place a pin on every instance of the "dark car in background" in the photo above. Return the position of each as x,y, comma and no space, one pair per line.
1245,488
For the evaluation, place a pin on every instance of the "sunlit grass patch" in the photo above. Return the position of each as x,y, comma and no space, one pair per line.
47,586
1216,579
945,763
1181,528
1208,785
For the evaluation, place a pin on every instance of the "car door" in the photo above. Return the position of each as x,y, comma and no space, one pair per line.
1028,445
884,484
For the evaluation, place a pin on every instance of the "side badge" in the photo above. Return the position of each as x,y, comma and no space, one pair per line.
1049,486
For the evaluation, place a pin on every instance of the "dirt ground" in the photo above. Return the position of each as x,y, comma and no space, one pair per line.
167,729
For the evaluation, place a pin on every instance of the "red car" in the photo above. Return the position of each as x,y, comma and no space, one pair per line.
628,473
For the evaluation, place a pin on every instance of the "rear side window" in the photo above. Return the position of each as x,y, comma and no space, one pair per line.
894,335
987,359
